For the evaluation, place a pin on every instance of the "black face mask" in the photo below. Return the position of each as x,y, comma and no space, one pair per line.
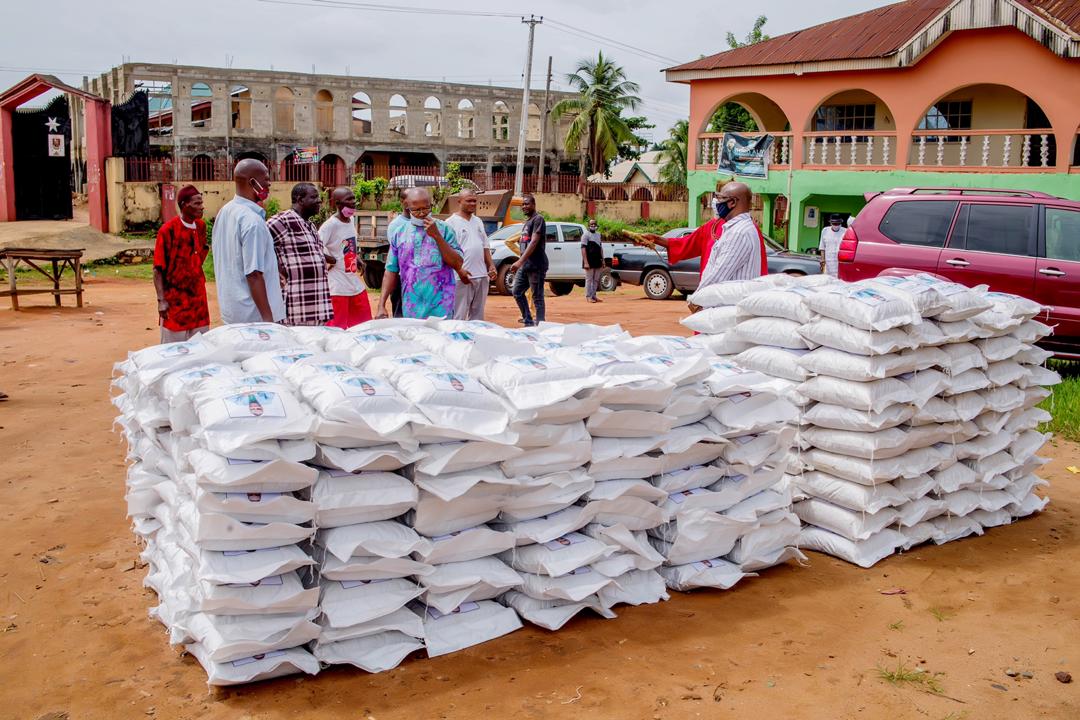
723,209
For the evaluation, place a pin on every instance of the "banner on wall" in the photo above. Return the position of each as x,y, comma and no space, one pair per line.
745,156
306,155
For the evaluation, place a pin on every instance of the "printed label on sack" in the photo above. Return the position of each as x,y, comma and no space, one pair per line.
600,358
363,386
868,297
738,397
799,290
580,571
461,336
904,284
549,346
256,380
180,349
664,360
272,580
257,334
456,382
372,338
565,541
680,497
256,658
707,564
415,360
256,404
201,373
447,536
523,335
676,341
253,497
333,368
534,363
462,608
350,584
284,361
726,368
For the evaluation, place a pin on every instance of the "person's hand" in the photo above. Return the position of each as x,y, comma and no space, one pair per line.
465,279
492,272
162,308
432,228
331,261
381,315
516,267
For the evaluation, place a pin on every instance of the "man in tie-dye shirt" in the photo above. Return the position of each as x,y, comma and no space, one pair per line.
427,260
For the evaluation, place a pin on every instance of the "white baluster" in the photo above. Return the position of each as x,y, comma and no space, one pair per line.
854,149
1007,152
785,149
986,150
963,150
837,149
922,149
885,151
940,149
1025,153
813,150
1044,150
870,150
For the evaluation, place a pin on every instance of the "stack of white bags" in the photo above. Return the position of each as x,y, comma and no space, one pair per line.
918,398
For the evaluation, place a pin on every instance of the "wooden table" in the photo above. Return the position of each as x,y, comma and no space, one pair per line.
60,260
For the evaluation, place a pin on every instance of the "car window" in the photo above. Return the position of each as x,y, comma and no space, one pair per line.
1003,229
571,233
551,233
505,232
1063,234
918,222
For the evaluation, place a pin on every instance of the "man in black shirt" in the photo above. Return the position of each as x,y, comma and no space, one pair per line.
531,268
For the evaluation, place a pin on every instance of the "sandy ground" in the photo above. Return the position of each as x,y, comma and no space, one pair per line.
798,642
66,235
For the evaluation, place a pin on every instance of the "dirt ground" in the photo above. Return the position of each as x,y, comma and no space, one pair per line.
66,235
798,642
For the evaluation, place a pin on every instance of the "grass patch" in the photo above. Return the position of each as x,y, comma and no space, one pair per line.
915,677
941,614
898,625
1064,403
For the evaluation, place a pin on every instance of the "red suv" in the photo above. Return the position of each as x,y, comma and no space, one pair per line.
1025,243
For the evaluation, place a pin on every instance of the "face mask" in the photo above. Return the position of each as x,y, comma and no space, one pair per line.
723,209
347,212
260,192
418,222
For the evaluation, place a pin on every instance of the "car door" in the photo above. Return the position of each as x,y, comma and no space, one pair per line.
571,240
993,244
917,228
555,251
1057,271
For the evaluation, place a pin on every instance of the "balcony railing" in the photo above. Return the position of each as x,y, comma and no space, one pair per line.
851,150
1034,150
709,146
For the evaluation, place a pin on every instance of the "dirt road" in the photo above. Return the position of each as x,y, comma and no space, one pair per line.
798,642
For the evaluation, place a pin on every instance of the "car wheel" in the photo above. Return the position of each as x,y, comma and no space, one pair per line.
561,287
504,279
608,283
658,285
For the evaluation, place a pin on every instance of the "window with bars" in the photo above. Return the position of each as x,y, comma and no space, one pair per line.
843,118
948,115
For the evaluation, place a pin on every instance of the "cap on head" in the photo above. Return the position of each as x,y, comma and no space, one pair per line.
186,194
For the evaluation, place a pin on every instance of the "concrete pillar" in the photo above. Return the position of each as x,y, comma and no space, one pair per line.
98,117
114,184
7,169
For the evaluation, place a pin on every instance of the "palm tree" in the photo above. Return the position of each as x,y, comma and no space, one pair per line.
598,126
673,153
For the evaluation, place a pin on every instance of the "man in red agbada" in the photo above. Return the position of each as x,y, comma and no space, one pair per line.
178,275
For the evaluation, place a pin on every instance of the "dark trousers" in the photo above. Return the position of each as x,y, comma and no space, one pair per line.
526,280
395,301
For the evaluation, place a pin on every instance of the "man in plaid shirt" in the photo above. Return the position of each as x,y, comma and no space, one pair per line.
301,260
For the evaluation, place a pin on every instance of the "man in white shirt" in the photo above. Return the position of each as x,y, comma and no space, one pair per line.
829,246
737,255
245,264
348,294
469,300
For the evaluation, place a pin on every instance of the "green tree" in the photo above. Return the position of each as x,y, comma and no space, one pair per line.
755,36
632,150
598,127
673,153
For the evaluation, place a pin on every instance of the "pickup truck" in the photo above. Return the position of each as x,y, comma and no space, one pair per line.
564,257
659,279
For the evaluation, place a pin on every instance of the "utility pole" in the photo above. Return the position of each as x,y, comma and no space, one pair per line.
543,128
519,176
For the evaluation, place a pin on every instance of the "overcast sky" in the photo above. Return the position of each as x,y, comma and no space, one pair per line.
72,38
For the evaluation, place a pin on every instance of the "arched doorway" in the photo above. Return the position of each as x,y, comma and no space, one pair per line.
983,126
202,105
361,113
284,109
332,171
324,112
749,113
432,117
399,119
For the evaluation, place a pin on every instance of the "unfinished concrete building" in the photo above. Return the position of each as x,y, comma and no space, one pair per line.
211,117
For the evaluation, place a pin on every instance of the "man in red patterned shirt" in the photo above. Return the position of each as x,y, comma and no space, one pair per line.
179,254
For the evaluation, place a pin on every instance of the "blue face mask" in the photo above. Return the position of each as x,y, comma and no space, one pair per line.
418,222
723,209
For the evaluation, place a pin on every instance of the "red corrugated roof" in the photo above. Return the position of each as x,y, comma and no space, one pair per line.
873,34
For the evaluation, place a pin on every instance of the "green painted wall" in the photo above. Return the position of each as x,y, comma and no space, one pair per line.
844,189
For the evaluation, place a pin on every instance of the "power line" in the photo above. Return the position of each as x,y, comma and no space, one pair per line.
611,41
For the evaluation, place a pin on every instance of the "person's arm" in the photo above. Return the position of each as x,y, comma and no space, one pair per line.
389,279
534,240
584,257
203,242
277,232
448,248
254,238
326,236
160,259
